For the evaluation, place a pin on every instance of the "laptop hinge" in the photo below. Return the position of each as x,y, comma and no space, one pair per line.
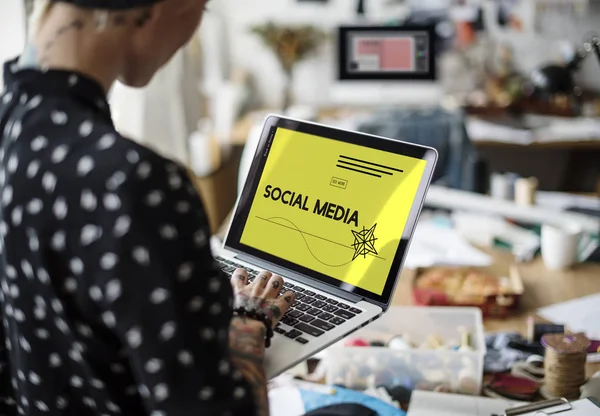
301,279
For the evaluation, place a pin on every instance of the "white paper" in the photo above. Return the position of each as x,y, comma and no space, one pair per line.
570,129
425,403
286,401
562,201
483,228
434,245
553,129
455,199
579,315
482,130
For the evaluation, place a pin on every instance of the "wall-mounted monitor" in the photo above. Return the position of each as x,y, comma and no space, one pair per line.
375,53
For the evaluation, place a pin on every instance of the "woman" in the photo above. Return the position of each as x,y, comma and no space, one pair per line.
111,301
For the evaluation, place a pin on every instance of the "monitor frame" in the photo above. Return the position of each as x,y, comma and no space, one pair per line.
343,39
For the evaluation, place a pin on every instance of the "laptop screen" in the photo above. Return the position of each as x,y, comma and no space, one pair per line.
333,207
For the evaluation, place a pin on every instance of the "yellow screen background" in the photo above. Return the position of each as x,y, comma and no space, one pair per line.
306,164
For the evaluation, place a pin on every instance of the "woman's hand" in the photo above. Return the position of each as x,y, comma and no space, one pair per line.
246,336
262,295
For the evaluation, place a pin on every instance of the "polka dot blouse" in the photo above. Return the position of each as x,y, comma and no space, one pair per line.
110,300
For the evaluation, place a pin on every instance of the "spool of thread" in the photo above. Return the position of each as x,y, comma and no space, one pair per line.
500,186
356,342
531,328
525,189
398,343
564,364
511,177
465,339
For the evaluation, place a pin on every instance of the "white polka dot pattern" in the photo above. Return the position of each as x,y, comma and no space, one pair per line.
86,128
39,143
109,262
167,331
49,182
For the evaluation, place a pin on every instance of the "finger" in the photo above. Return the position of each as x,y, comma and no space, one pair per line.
239,279
273,287
261,281
285,301
288,297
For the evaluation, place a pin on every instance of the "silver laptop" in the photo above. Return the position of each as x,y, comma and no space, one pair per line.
332,212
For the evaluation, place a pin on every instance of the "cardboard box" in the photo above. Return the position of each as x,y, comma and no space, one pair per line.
472,286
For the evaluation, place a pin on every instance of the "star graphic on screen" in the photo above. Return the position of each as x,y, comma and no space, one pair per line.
364,242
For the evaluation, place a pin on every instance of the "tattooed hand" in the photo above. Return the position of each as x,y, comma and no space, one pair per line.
262,295
247,337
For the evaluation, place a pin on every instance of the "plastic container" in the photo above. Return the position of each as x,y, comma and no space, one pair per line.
445,369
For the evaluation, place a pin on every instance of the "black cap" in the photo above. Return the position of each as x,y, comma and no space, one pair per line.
110,4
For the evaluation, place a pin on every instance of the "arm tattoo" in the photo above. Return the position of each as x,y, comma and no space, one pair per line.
34,60
74,25
253,303
119,19
246,349
143,18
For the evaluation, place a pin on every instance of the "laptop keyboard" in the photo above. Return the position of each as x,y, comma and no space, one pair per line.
311,313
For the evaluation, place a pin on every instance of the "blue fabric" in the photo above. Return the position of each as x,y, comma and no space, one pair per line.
314,400
437,128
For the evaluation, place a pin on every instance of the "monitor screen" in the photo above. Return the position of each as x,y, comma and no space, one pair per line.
394,53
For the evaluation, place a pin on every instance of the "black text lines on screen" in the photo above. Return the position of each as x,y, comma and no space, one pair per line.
365,167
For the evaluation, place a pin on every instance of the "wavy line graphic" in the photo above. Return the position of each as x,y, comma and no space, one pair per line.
295,228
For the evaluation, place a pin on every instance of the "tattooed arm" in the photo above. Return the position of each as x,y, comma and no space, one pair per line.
40,53
247,350
247,336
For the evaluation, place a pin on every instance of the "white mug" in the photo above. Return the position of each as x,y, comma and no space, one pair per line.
560,245
500,186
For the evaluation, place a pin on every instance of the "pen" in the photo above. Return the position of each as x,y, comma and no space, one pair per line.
534,407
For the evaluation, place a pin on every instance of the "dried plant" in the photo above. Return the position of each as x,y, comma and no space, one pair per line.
290,44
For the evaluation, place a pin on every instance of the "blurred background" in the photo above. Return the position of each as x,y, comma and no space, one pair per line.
506,86
507,91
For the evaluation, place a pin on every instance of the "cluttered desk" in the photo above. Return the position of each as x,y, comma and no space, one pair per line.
511,334
503,299
498,297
